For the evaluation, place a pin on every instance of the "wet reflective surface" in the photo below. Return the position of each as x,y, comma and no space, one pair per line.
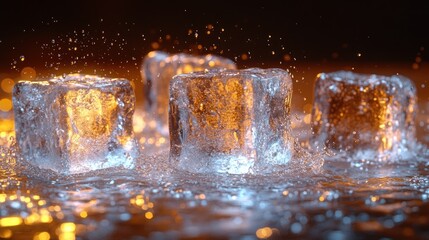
344,200
341,200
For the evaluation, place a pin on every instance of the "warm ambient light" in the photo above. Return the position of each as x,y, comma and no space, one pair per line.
10,221
28,73
5,105
7,85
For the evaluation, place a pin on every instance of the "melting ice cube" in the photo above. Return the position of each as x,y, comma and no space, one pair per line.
230,121
359,113
75,124
158,69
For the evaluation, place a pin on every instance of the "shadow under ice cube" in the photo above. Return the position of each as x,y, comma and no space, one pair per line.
230,121
158,69
359,113
75,124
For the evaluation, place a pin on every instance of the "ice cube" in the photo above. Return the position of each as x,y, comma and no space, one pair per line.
230,121
158,69
359,113
75,124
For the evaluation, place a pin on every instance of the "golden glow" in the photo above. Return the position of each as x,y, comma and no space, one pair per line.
148,215
2,197
10,221
139,202
89,117
90,111
68,227
374,198
152,54
5,233
201,196
45,218
28,73
42,236
31,219
67,236
83,214
368,108
229,122
138,124
187,68
5,105
143,203
133,85
307,118
265,232
7,85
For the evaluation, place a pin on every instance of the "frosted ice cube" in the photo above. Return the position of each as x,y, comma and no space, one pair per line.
75,124
230,121
360,113
158,69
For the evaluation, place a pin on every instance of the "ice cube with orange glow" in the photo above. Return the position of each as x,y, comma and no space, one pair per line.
76,123
367,115
158,69
230,121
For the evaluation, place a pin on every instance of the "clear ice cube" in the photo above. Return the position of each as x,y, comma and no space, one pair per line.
363,114
230,121
158,69
75,124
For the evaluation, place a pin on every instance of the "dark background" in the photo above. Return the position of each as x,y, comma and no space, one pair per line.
267,31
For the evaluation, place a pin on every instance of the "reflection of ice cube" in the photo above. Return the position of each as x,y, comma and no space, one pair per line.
363,113
75,124
230,121
158,69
